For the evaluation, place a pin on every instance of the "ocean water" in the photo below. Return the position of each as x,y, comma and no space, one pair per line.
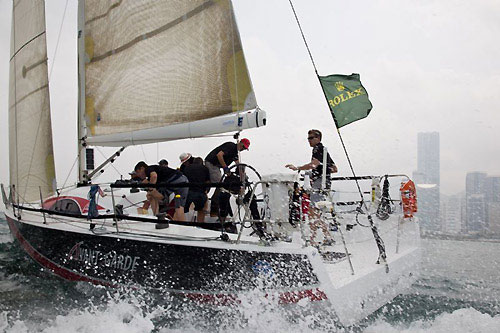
458,291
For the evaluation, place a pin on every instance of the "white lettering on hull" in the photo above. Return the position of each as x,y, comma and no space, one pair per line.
112,259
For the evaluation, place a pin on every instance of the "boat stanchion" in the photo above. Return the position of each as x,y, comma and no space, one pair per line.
41,205
301,224
14,202
339,228
398,234
115,219
11,199
246,207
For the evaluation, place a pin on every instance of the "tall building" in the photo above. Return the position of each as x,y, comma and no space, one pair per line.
428,157
475,202
427,179
451,214
492,198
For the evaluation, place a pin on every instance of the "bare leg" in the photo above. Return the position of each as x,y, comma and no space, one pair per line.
154,197
179,214
201,215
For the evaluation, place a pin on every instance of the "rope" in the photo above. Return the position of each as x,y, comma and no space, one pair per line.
303,37
378,240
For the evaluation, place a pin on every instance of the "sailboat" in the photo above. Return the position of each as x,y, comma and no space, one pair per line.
154,71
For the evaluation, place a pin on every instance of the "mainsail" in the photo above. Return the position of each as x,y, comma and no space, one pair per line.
154,68
30,133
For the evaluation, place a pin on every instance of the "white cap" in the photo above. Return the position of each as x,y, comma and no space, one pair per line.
184,157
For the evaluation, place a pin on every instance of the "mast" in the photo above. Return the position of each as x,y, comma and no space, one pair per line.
82,128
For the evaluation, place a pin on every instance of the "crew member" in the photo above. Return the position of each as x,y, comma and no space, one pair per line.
197,173
186,159
154,174
220,158
316,165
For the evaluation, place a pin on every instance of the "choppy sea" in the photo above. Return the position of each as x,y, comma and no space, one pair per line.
458,291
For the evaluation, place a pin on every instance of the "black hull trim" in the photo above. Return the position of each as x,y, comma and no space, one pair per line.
201,273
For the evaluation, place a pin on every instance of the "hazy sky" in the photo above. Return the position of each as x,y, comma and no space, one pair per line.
427,66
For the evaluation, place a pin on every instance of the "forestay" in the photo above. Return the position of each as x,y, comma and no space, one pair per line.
30,133
151,65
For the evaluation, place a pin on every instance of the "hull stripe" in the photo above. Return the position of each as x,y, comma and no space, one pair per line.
45,262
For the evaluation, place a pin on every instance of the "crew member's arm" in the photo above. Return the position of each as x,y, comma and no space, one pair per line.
220,157
153,178
309,166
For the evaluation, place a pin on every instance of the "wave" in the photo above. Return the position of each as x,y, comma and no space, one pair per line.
461,320
132,315
141,312
5,236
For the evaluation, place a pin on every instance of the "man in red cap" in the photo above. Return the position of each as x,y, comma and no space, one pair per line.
222,157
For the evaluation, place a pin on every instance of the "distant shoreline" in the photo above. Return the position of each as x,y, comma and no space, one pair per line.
470,238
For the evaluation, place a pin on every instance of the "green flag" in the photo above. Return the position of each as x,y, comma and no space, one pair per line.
347,98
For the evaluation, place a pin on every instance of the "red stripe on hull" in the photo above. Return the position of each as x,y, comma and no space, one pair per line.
296,296
45,262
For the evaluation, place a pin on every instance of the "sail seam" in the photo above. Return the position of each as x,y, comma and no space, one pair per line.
113,6
155,32
29,94
25,44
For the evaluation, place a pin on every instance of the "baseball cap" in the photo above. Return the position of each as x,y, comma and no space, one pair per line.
245,142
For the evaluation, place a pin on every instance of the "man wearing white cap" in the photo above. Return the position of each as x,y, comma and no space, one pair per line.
186,159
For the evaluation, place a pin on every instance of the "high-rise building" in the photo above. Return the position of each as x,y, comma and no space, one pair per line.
475,201
451,214
427,179
428,157
492,198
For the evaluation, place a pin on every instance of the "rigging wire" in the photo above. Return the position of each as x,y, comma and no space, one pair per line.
378,240
100,152
69,174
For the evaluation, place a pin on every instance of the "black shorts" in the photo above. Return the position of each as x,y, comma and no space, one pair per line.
198,198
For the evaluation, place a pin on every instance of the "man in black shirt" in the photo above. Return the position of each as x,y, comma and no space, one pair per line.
316,165
154,174
197,173
222,157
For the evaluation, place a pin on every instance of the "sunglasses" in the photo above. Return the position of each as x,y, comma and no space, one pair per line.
311,137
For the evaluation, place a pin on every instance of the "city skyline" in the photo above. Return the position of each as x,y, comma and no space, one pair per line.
476,210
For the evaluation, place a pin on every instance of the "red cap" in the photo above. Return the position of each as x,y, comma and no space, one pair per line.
245,142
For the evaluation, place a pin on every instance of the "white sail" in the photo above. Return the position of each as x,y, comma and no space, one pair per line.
156,64
30,133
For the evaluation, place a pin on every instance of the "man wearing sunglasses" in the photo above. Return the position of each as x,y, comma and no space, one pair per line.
316,165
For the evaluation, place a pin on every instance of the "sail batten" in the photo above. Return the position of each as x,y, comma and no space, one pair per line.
152,64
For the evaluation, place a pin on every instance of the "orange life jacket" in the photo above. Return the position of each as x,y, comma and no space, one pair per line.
408,198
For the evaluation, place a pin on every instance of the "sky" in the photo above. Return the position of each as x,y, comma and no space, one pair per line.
427,66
